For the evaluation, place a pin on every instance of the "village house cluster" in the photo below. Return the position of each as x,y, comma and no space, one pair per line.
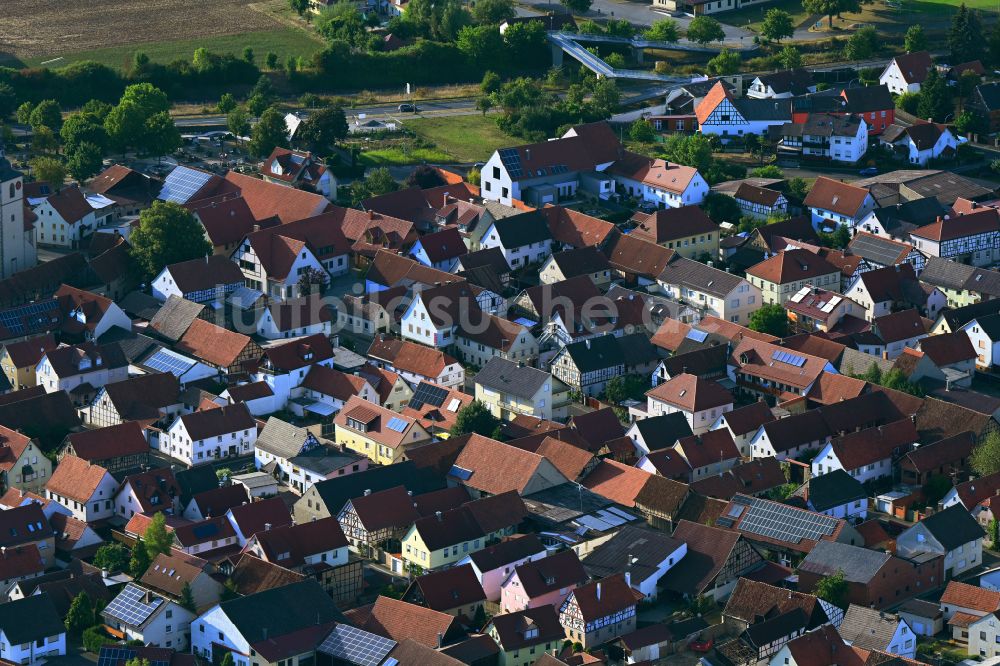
304,411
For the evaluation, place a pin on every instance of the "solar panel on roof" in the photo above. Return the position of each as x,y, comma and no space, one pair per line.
460,473
182,183
784,523
789,358
511,160
165,361
696,335
428,394
206,530
28,318
397,424
131,607
356,646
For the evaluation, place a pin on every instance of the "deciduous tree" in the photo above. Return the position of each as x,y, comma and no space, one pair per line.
84,161
915,39
833,589
790,57
777,25
642,131
770,318
156,537
727,62
269,133
577,6
705,29
985,458
167,233
46,114
475,417
48,169
493,11
663,30
424,177
323,129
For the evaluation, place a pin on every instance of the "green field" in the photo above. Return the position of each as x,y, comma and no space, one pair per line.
471,138
284,41
403,157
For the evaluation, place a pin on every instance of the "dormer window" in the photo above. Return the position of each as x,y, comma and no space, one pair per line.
531,632
97,360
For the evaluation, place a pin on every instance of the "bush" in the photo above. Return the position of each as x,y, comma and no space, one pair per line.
95,638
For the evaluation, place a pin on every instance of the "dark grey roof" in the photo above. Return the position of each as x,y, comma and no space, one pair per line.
796,81
696,275
499,374
867,628
989,94
175,317
945,273
29,619
876,249
834,489
323,460
763,109
521,230
134,346
917,212
301,605
634,549
859,564
335,493
777,627
959,317
953,527
491,257
596,353
662,431
991,325
948,187
138,304
854,362
7,172
282,438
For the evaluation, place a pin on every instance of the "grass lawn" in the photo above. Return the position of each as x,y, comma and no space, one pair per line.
403,157
284,41
755,15
470,138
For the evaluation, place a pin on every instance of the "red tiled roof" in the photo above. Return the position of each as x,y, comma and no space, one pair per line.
270,199
76,479
124,439
400,620
972,597
983,221
691,393
605,597
836,196
792,266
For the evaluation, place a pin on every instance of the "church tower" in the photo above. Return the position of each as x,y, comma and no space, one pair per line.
16,242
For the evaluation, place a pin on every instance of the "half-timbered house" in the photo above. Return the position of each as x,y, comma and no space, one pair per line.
600,611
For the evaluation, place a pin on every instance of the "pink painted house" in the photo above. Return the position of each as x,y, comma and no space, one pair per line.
496,564
545,581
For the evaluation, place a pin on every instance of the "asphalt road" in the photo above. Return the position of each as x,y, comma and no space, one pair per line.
446,107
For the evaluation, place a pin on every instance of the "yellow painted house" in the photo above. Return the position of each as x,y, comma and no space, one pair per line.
375,432
445,538
18,360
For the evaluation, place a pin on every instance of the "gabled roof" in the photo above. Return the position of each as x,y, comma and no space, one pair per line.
557,571
951,450
709,548
270,199
836,196
576,229
400,621
257,516
443,245
792,266
509,377
290,545
752,600
512,628
154,489
409,356
302,605
30,619
901,325
984,221
76,479
672,223
834,489
972,597
207,273
506,552
27,353
124,439
948,348
174,318
582,148
953,527
865,447
604,597
252,575
213,344
449,588
696,275
879,250
914,66
691,393
494,467
521,230
221,421
859,565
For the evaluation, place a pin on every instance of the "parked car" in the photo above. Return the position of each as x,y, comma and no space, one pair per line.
867,172
408,108
700,646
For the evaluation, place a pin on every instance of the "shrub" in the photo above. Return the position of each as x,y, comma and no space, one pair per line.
94,639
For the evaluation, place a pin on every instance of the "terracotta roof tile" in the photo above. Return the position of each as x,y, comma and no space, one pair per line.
691,393
972,597
834,195
76,479
400,620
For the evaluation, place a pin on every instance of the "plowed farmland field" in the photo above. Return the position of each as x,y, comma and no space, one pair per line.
109,31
